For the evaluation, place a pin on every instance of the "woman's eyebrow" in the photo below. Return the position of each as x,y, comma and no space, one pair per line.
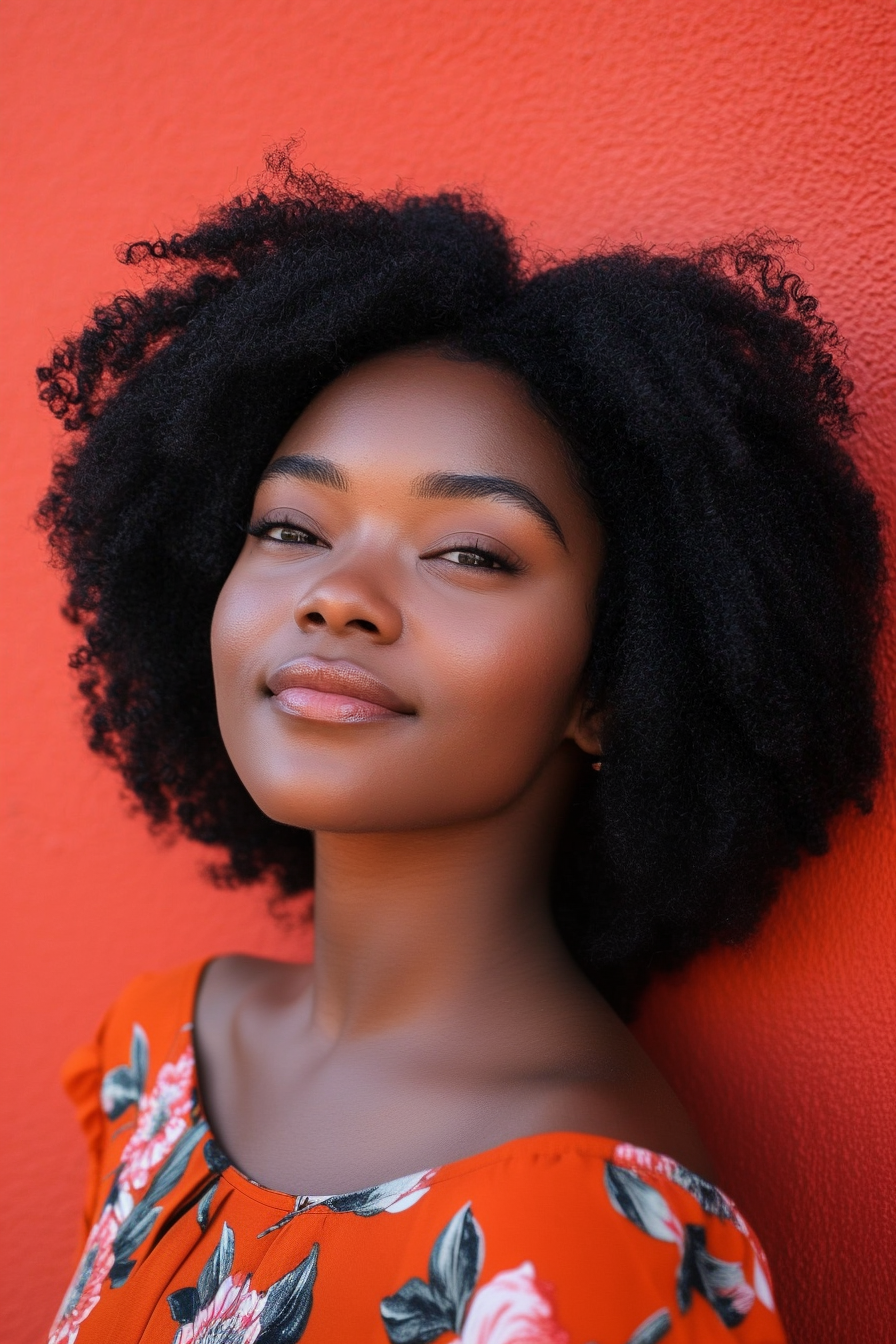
451,485
301,467
436,485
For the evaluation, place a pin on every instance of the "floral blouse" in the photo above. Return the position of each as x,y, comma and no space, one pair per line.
552,1239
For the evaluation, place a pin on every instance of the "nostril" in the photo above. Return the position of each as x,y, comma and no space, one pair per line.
365,625
314,618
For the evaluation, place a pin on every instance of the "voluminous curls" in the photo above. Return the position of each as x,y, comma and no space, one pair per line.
705,413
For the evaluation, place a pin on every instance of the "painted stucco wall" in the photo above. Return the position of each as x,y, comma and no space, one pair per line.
671,122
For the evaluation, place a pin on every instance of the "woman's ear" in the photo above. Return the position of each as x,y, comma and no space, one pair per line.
586,728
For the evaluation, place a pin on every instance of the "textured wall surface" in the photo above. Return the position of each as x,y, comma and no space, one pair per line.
668,121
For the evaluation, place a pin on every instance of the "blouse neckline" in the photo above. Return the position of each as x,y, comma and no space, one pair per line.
543,1143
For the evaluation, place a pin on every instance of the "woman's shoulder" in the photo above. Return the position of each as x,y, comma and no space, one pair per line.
555,1224
146,1034
556,1237
599,1179
142,1047
155,1006
159,995
147,1024
568,1235
223,981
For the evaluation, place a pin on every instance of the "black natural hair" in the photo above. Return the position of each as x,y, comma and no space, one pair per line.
705,413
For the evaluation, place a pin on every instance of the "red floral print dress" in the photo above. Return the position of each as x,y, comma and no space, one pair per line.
552,1239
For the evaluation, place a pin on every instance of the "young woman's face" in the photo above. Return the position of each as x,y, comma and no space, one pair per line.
401,641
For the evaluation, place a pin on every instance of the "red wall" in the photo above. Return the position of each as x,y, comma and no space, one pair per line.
672,122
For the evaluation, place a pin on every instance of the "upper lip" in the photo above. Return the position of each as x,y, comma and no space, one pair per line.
336,678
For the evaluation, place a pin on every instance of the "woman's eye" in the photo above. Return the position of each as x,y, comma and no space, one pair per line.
282,532
476,557
287,534
480,559
478,553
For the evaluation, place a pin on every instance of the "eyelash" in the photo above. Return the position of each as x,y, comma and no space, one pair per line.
498,561
266,525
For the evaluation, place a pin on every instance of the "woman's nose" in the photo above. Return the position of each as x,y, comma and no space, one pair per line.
348,602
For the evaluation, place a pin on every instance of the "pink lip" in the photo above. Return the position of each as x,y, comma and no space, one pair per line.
333,692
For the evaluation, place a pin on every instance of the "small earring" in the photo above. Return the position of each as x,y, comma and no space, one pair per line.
597,763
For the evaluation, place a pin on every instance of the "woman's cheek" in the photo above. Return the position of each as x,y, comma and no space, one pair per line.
515,676
238,639
245,616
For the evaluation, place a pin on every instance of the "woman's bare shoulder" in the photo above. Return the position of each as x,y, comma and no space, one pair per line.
228,980
618,1092
602,1082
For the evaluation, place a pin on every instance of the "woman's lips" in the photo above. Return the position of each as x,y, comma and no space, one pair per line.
305,703
333,692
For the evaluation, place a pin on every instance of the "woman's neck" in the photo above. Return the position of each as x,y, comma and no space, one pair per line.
433,924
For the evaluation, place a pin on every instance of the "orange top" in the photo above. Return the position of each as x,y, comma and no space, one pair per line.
551,1239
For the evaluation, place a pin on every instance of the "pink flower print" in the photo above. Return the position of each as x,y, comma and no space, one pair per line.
163,1115
512,1308
224,1308
232,1317
95,1264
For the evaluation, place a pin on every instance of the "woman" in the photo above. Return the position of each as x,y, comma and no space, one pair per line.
530,614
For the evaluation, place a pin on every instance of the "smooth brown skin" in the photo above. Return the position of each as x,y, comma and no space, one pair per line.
442,1015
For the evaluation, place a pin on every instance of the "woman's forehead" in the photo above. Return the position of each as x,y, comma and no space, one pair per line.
431,412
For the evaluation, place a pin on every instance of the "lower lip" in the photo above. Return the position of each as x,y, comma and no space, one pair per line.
303,703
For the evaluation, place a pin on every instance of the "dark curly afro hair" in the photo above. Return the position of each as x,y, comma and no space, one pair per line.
703,406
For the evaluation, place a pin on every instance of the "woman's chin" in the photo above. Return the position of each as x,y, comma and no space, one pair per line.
315,807
358,811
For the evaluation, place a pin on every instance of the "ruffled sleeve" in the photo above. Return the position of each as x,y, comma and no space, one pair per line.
82,1077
